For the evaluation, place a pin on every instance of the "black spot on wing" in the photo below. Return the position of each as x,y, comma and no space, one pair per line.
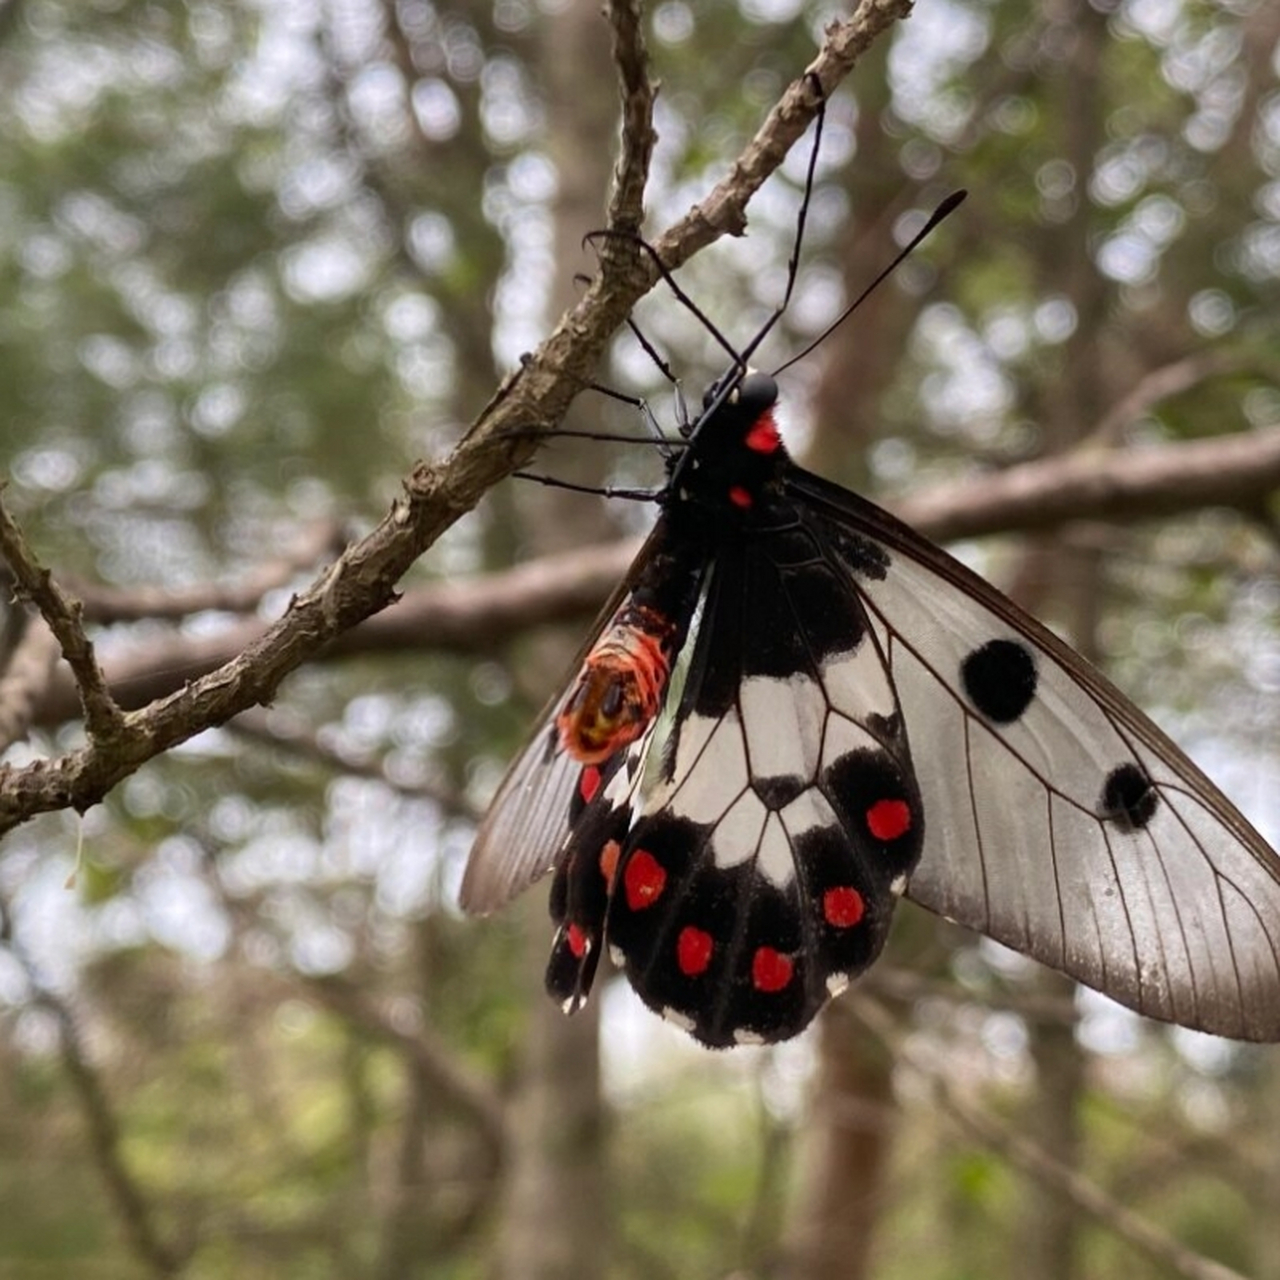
1000,680
863,558
828,863
879,806
1128,798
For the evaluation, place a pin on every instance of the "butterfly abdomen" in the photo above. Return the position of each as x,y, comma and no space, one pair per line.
620,688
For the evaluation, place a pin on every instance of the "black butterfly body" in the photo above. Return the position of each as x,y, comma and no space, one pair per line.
860,717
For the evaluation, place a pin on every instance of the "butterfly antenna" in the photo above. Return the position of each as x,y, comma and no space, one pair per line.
944,210
608,437
602,491
682,411
793,263
660,363
612,233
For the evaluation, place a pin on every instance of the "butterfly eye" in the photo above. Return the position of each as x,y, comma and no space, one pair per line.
757,393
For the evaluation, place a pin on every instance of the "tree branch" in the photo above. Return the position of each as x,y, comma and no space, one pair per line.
723,211
24,686
1101,484
103,719
485,612
362,582
630,174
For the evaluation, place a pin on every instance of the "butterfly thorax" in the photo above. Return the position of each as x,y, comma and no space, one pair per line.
735,460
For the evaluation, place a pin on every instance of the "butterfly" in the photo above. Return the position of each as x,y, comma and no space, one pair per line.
855,717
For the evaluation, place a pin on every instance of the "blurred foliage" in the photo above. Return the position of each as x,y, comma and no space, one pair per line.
257,260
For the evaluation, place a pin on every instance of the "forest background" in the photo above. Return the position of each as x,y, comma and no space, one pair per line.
261,263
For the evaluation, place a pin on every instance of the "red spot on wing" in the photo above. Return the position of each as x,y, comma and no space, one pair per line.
770,969
609,860
889,819
763,437
577,940
643,880
842,907
589,783
739,496
693,951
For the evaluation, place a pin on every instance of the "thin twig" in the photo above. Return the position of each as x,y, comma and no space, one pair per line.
1158,385
631,173
24,685
1028,1156
722,212
103,718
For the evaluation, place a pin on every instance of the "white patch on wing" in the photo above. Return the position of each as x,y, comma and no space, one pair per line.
738,835
717,778
837,982
678,1019
775,861
744,1037
842,737
808,810
856,683
695,732
881,633
782,719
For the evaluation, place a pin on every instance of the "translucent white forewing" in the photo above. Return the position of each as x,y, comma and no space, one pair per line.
1059,820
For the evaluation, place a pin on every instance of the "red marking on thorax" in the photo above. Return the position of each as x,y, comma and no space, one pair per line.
577,941
693,951
643,880
589,783
889,819
740,497
770,969
842,907
763,436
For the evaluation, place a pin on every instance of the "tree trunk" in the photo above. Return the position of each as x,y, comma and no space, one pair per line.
555,1215
843,1155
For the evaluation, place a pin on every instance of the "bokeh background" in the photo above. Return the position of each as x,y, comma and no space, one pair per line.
258,258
